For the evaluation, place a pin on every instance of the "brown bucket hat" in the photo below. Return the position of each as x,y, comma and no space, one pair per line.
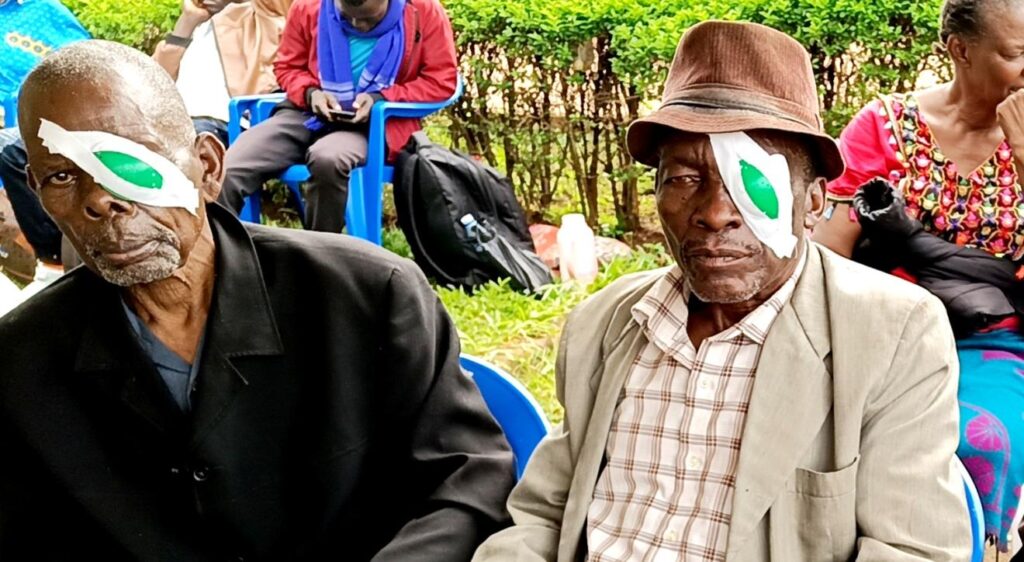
728,77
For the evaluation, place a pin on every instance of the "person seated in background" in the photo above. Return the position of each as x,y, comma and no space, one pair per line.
31,30
186,396
337,58
955,225
218,49
764,399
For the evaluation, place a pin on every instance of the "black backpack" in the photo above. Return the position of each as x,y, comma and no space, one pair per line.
462,219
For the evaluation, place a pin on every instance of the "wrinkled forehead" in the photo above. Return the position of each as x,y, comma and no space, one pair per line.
695,148
108,107
1001,24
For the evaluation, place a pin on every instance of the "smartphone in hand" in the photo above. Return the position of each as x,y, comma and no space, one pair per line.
341,114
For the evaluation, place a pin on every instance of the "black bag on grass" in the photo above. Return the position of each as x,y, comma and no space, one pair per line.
462,220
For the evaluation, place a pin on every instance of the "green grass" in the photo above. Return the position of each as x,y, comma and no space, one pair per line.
520,332
515,331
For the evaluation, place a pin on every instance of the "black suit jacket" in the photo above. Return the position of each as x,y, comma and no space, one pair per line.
330,419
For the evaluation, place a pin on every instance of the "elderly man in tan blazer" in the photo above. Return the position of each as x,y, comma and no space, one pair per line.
764,399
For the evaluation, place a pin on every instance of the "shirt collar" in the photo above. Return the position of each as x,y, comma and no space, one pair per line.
662,312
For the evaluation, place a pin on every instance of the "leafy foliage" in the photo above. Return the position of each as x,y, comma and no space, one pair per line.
552,84
520,332
138,23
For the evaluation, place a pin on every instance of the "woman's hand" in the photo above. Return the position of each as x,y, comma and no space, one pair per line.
1011,119
192,15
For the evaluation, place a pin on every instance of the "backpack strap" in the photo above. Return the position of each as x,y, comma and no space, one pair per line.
407,172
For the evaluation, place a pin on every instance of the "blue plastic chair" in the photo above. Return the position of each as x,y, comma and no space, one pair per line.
10,105
363,213
518,414
975,512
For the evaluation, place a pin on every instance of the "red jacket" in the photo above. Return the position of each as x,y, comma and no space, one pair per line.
428,73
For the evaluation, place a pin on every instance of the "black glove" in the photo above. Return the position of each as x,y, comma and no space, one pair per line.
882,212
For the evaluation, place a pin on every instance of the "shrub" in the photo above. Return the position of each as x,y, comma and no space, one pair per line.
519,332
552,84
138,23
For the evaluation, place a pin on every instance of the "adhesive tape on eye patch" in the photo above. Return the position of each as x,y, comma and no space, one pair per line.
760,187
125,169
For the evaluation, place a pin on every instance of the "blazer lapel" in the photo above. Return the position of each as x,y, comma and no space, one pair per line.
610,377
791,398
241,325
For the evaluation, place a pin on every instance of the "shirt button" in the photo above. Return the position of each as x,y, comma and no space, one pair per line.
671,535
694,462
200,475
707,384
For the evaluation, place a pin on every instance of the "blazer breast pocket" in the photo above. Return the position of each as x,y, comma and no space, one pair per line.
820,511
825,484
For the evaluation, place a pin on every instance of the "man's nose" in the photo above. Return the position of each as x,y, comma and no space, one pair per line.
717,212
99,204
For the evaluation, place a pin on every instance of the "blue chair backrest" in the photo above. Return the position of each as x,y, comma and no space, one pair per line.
976,513
518,414
10,105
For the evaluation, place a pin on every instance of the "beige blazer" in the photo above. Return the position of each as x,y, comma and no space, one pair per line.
849,442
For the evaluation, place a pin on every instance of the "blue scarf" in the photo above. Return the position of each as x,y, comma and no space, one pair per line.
335,60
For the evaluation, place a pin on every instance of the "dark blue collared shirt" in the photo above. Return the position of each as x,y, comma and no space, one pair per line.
178,374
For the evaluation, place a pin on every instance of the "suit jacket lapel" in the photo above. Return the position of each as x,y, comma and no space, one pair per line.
610,378
241,324
791,398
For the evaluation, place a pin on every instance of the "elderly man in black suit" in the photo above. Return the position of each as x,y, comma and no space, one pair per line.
204,390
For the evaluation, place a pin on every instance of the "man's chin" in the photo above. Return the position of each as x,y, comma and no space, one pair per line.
142,273
722,295
724,290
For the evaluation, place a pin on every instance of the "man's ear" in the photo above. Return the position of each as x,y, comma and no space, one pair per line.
814,202
211,156
32,182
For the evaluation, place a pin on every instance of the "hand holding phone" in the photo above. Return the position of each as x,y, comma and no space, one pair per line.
341,114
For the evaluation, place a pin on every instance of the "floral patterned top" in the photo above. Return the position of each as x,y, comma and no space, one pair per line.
982,209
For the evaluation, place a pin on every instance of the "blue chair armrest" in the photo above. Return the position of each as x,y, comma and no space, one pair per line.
266,105
382,111
239,106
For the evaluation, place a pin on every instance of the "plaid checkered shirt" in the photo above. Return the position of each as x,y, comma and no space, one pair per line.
666,491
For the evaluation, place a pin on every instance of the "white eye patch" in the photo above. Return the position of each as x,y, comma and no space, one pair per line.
760,187
124,168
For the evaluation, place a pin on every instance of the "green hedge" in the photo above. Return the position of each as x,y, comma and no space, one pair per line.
139,23
551,84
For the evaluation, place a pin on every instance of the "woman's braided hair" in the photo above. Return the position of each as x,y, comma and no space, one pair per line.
962,17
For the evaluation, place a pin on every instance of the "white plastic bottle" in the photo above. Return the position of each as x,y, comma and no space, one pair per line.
577,254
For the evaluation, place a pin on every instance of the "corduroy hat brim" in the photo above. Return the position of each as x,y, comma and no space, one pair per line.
645,135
